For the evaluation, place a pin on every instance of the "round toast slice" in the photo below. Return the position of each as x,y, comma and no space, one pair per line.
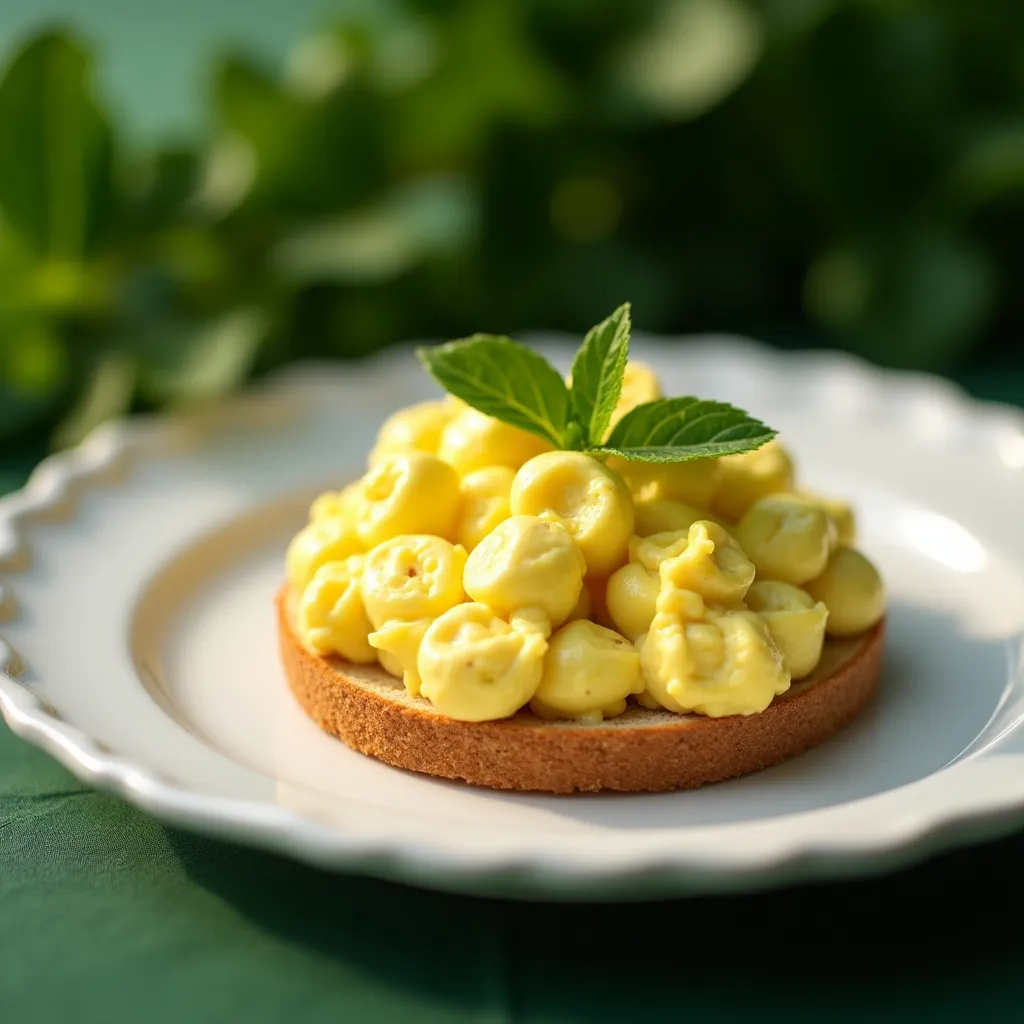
639,751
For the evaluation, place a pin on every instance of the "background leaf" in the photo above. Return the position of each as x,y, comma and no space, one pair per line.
56,146
309,152
107,393
904,299
193,362
694,55
34,369
505,380
597,372
487,71
682,429
831,172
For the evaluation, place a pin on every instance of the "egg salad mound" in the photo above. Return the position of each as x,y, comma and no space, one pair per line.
493,574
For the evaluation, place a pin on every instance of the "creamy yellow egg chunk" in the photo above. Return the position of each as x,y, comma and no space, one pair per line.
787,537
654,515
341,504
316,544
639,384
840,512
330,618
474,440
397,644
713,663
416,428
589,671
416,576
475,667
853,592
485,503
709,563
690,483
390,663
526,562
651,551
326,506
408,492
631,597
795,620
744,478
591,501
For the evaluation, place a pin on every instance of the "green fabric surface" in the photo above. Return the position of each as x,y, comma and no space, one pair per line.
108,916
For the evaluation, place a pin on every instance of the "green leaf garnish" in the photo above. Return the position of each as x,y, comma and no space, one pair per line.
505,380
597,373
682,429
518,386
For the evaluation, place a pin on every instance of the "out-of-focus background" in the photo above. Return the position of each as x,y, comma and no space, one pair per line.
193,192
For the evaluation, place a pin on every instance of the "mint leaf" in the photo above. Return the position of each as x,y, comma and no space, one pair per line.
682,429
597,373
505,380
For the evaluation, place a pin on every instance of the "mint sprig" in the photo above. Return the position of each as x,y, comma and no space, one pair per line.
520,387
597,373
508,381
682,429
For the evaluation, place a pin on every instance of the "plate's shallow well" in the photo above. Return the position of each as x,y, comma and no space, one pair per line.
140,612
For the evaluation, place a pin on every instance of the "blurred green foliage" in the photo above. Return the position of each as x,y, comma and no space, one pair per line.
851,168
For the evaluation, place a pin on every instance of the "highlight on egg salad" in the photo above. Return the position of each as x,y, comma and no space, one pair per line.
492,572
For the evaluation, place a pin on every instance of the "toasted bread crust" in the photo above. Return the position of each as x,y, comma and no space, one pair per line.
641,750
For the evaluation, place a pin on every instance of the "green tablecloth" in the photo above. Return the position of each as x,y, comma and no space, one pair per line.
108,916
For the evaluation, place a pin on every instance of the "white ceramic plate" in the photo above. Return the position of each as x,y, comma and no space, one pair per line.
137,575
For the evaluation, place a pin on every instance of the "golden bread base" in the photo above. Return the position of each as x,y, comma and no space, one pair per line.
640,750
